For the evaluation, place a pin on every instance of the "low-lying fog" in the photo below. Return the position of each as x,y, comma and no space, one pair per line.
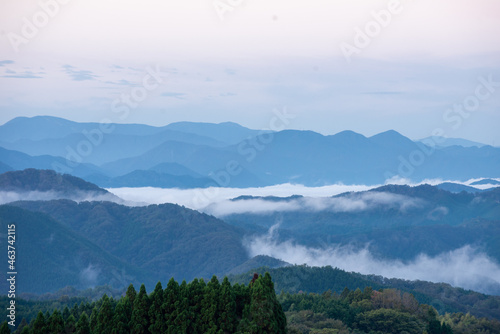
465,267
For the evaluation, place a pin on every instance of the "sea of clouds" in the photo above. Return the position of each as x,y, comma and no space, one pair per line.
200,198
465,267
82,196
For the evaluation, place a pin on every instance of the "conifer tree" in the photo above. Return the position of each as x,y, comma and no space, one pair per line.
155,311
182,320
70,324
66,313
93,319
83,325
4,328
196,291
265,314
56,323
131,294
140,318
104,317
75,311
227,307
21,325
122,316
210,306
170,303
261,306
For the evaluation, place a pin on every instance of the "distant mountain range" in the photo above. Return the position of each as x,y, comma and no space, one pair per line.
457,188
229,155
485,181
446,142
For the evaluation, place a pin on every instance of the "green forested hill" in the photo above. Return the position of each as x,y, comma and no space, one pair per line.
443,297
160,241
50,256
46,180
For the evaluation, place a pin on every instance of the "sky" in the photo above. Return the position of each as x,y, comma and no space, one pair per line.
418,67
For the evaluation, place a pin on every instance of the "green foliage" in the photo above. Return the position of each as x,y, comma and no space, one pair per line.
105,317
56,323
186,308
253,308
127,244
83,326
70,324
227,308
22,325
385,311
4,328
443,297
139,324
462,323
265,314
388,321
156,312
122,316
40,325
93,318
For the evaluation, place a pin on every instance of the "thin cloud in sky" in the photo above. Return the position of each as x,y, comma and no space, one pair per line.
174,95
79,75
23,75
5,62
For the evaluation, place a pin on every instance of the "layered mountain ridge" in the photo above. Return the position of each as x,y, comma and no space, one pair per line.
229,155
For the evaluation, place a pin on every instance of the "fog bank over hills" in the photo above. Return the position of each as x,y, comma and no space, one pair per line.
392,230
207,199
465,267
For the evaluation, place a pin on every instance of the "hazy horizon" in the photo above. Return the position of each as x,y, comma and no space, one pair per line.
266,129
367,66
